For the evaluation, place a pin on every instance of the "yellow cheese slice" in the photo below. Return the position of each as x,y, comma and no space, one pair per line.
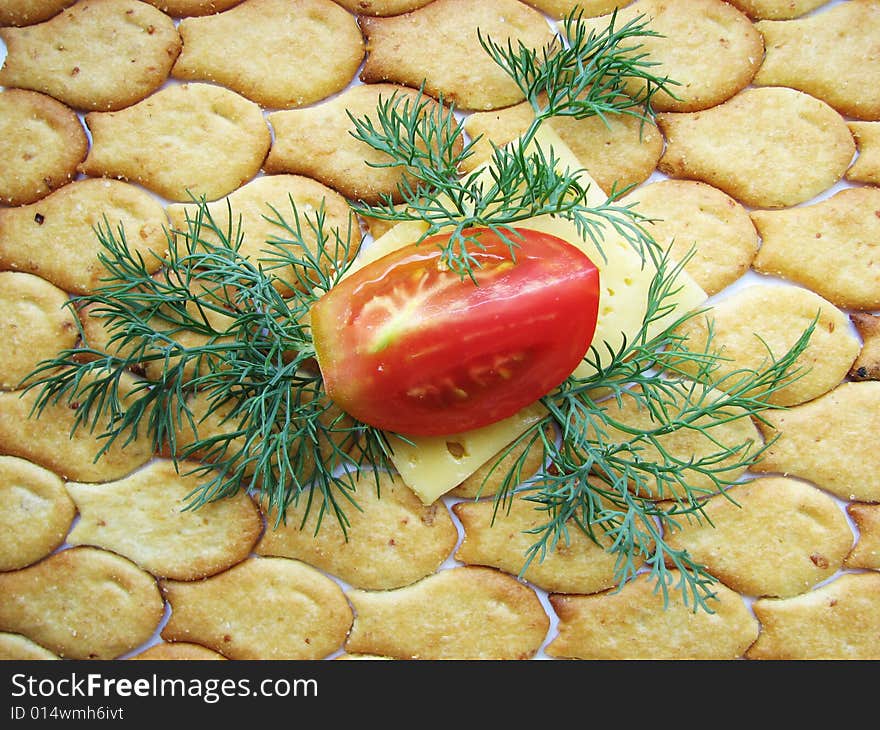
433,466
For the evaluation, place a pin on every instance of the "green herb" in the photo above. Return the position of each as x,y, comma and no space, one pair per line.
219,336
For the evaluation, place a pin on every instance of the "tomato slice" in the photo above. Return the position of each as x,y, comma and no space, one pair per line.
408,346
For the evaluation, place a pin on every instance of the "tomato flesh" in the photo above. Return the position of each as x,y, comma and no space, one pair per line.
408,346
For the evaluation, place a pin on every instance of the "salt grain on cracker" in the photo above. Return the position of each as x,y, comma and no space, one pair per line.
392,540
144,517
866,167
770,536
707,47
831,246
96,54
699,225
35,325
196,125
848,76
766,147
274,52
262,608
36,512
867,364
501,535
56,237
82,603
634,623
446,616
839,621
759,323
438,47
829,441
41,143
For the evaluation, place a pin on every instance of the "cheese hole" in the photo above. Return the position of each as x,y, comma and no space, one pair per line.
455,449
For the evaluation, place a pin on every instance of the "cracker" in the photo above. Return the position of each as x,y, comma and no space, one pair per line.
29,12
274,52
866,552
145,518
466,612
701,226
82,603
617,151
97,54
693,450
19,648
317,142
839,620
177,651
392,540
848,78
867,364
437,48
55,238
47,440
217,139
766,147
633,623
776,9
829,441
866,167
35,512
256,204
41,143
707,47
35,325
502,539
185,8
829,247
590,8
262,608
759,323
770,536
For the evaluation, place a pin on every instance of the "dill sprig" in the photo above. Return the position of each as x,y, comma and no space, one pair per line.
215,335
583,74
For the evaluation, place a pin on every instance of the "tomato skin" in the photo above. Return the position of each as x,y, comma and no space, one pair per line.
408,346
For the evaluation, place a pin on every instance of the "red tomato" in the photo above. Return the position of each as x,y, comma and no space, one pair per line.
408,346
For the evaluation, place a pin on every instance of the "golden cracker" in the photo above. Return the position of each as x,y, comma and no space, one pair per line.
766,147
446,616
838,620
36,512
866,552
707,47
16,647
46,439
96,54
317,142
186,8
848,78
828,441
82,603
35,325
770,536
866,167
195,124
760,323
437,48
41,143
177,651
144,517
701,226
502,539
392,540
55,238
283,54
829,247
29,12
262,608
776,9
634,623
589,8
867,364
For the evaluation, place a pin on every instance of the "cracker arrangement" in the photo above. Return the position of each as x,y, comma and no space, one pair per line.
759,172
